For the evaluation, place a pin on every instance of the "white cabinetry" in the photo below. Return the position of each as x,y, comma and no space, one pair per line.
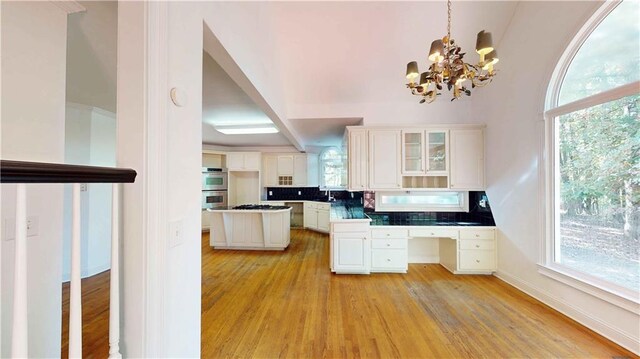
413,152
316,216
357,156
384,159
300,164
474,251
285,170
243,161
389,251
350,248
467,159
270,170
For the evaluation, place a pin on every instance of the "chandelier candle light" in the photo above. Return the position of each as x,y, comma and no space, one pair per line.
449,69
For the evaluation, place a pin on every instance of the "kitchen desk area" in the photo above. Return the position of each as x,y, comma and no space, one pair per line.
376,242
250,227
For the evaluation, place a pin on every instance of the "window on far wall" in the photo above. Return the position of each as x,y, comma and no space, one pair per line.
593,141
332,171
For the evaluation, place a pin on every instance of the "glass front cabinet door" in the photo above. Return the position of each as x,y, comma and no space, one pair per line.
413,152
437,152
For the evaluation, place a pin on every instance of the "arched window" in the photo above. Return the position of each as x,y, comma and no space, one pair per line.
332,174
593,151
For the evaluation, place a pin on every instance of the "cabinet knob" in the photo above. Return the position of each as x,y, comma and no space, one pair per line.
388,234
477,235
432,233
477,246
388,260
477,261
388,244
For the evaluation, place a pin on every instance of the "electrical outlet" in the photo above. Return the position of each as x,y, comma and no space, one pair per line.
9,232
175,234
83,187
299,193
270,193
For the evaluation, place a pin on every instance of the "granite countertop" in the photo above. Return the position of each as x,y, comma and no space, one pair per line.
386,220
340,212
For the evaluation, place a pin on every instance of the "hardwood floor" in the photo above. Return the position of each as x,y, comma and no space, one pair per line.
95,317
288,304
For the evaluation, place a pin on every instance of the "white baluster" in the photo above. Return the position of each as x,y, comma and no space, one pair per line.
75,299
114,285
19,339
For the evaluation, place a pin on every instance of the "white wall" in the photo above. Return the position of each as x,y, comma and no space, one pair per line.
90,139
512,107
91,55
32,118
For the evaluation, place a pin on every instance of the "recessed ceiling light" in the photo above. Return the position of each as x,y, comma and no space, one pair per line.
247,130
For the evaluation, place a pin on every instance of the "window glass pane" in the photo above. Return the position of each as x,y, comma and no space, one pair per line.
599,190
331,167
425,198
610,56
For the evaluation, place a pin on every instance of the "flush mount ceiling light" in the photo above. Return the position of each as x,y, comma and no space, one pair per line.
247,129
448,68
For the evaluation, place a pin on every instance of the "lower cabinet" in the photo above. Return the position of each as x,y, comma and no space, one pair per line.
350,247
474,252
316,216
389,251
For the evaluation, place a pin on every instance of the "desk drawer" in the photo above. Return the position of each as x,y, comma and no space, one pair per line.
397,243
359,226
388,233
477,260
487,244
488,233
389,259
434,233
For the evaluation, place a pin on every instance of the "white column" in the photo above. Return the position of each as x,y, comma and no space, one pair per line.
114,285
75,300
19,342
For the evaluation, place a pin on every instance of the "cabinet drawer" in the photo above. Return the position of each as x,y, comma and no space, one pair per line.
477,244
323,206
477,233
397,243
310,205
477,260
389,258
434,233
350,227
388,233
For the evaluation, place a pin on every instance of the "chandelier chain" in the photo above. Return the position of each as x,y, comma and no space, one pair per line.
448,20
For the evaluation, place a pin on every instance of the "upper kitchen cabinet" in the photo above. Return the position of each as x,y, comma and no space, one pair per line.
298,170
437,152
357,160
413,152
270,170
243,161
384,159
467,159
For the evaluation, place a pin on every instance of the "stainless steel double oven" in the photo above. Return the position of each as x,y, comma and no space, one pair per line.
214,187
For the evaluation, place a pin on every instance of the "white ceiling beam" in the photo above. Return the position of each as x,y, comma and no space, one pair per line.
69,6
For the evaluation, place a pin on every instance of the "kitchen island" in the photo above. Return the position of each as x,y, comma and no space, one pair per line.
250,227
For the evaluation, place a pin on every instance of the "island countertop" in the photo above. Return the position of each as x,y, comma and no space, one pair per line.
273,209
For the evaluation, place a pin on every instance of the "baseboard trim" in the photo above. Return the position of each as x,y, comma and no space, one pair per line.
595,324
424,259
90,272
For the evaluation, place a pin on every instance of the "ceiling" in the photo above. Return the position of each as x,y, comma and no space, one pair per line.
342,61
225,103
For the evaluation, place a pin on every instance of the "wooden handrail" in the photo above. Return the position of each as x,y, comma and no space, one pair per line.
40,172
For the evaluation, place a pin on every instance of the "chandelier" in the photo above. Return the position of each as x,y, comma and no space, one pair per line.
448,68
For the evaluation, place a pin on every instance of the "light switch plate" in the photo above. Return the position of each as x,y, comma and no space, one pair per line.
175,234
